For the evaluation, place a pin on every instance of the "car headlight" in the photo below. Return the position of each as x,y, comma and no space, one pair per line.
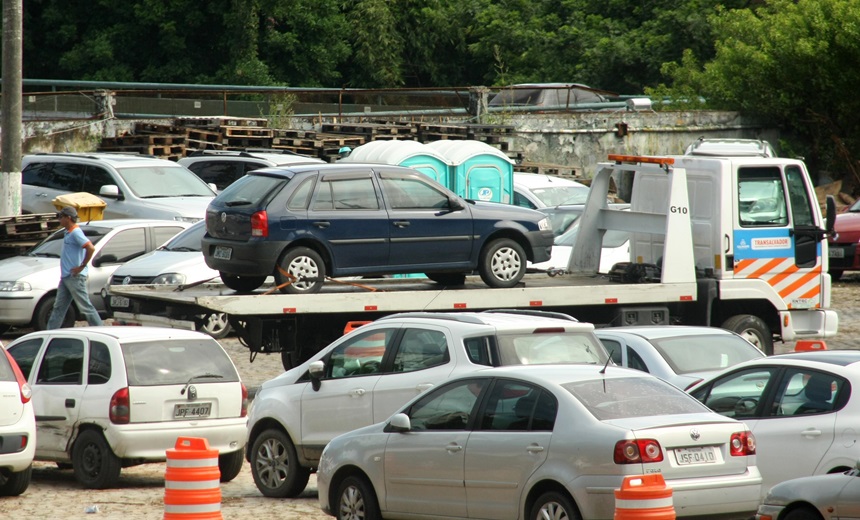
169,279
544,224
186,219
15,286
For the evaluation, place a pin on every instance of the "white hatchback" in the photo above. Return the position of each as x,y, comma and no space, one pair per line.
111,397
17,428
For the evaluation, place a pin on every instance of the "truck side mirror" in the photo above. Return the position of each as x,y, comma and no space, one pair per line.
830,214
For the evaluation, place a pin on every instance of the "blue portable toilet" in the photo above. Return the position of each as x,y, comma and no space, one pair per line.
479,171
411,154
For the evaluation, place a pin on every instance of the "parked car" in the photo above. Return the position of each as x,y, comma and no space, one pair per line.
223,167
681,355
842,244
17,428
133,186
801,406
112,397
178,262
28,283
535,191
540,442
305,223
366,375
822,497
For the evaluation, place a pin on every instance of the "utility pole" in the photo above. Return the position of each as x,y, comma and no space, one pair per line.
10,109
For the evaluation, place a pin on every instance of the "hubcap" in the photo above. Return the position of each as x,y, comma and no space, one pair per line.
552,511
271,465
303,267
352,504
506,263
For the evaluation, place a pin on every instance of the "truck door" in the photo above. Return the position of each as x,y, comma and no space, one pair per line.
776,236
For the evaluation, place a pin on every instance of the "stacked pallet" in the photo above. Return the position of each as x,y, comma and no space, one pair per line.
21,232
170,146
549,169
236,133
195,138
374,131
315,144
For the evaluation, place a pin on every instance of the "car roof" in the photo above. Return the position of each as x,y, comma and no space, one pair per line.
504,319
274,158
128,333
666,331
842,358
541,180
116,160
289,171
559,374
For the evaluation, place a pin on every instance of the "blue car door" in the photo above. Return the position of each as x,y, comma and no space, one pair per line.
424,230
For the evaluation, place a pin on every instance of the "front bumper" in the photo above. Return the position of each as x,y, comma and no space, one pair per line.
540,243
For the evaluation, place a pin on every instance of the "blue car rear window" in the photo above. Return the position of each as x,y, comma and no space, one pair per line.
250,190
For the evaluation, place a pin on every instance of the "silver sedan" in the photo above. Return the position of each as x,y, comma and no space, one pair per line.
822,497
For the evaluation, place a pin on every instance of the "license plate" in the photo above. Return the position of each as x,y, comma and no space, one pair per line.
223,252
836,252
192,411
119,301
689,456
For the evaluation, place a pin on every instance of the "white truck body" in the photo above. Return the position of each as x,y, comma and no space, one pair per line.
736,242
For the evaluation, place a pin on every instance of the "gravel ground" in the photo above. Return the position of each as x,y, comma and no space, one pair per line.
54,493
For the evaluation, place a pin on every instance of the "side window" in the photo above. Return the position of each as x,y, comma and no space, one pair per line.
801,212
67,177
37,174
219,173
63,362
808,392
95,178
738,395
614,349
25,354
324,197
161,234
362,355
412,193
99,367
420,349
761,197
124,246
249,167
449,408
520,200
480,350
300,198
513,406
635,361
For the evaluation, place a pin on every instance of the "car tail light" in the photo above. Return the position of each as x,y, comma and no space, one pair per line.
548,330
244,400
120,412
23,387
260,224
694,383
742,444
638,451
24,440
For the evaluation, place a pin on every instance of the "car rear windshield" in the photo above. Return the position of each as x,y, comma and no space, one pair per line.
250,190
174,362
6,372
540,347
619,398
687,354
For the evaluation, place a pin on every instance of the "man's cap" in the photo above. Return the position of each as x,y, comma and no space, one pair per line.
68,211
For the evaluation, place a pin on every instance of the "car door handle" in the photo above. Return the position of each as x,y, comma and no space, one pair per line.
70,403
357,392
322,224
41,194
811,432
423,386
401,223
454,447
534,448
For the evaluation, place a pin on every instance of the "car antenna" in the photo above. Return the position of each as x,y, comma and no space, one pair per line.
603,370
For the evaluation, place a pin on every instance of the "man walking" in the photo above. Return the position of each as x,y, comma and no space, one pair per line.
76,254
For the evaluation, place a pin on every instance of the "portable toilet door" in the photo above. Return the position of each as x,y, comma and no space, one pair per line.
410,154
480,172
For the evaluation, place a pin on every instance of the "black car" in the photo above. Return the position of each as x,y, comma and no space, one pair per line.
306,222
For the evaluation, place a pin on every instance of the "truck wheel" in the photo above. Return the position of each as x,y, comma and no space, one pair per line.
447,279
215,324
502,263
275,466
43,314
752,329
242,284
302,270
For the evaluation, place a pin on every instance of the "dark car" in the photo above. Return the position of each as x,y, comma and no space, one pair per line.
842,244
306,222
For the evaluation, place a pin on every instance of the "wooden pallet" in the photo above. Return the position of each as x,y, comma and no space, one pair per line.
232,143
168,151
144,140
28,227
549,169
221,121
247,131
370,130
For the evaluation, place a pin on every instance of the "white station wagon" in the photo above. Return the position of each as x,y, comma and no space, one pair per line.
112,397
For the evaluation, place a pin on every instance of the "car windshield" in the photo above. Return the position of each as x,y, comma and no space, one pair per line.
686,354
53,245
562,194
620,398
188,240
151,182
250,190
175,362
550,347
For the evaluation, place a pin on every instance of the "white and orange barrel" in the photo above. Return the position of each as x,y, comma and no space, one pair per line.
192,481
644,497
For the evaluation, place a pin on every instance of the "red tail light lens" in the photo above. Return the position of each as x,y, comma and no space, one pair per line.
244,401
120,412
694,383
742,444
260,224
639,451
23,387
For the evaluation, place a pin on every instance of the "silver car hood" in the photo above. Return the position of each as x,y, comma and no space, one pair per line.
20,267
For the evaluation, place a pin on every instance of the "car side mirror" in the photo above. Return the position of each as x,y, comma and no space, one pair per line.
104,259
110,191
316,370
398,423
454,204
830,214
213,186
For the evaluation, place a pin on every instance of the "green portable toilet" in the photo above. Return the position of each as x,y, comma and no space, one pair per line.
411,154
479,171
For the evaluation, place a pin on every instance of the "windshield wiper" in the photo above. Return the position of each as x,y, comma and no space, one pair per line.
201,376
45,255
182,248
237,203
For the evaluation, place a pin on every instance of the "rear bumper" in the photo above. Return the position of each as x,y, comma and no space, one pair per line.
252,258
151,441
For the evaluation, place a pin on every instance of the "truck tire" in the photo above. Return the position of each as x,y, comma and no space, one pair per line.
447,279
242,284
752,329
502,263
302,270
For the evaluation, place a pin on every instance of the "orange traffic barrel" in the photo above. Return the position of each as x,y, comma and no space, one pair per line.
807,345
644,497
192,481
